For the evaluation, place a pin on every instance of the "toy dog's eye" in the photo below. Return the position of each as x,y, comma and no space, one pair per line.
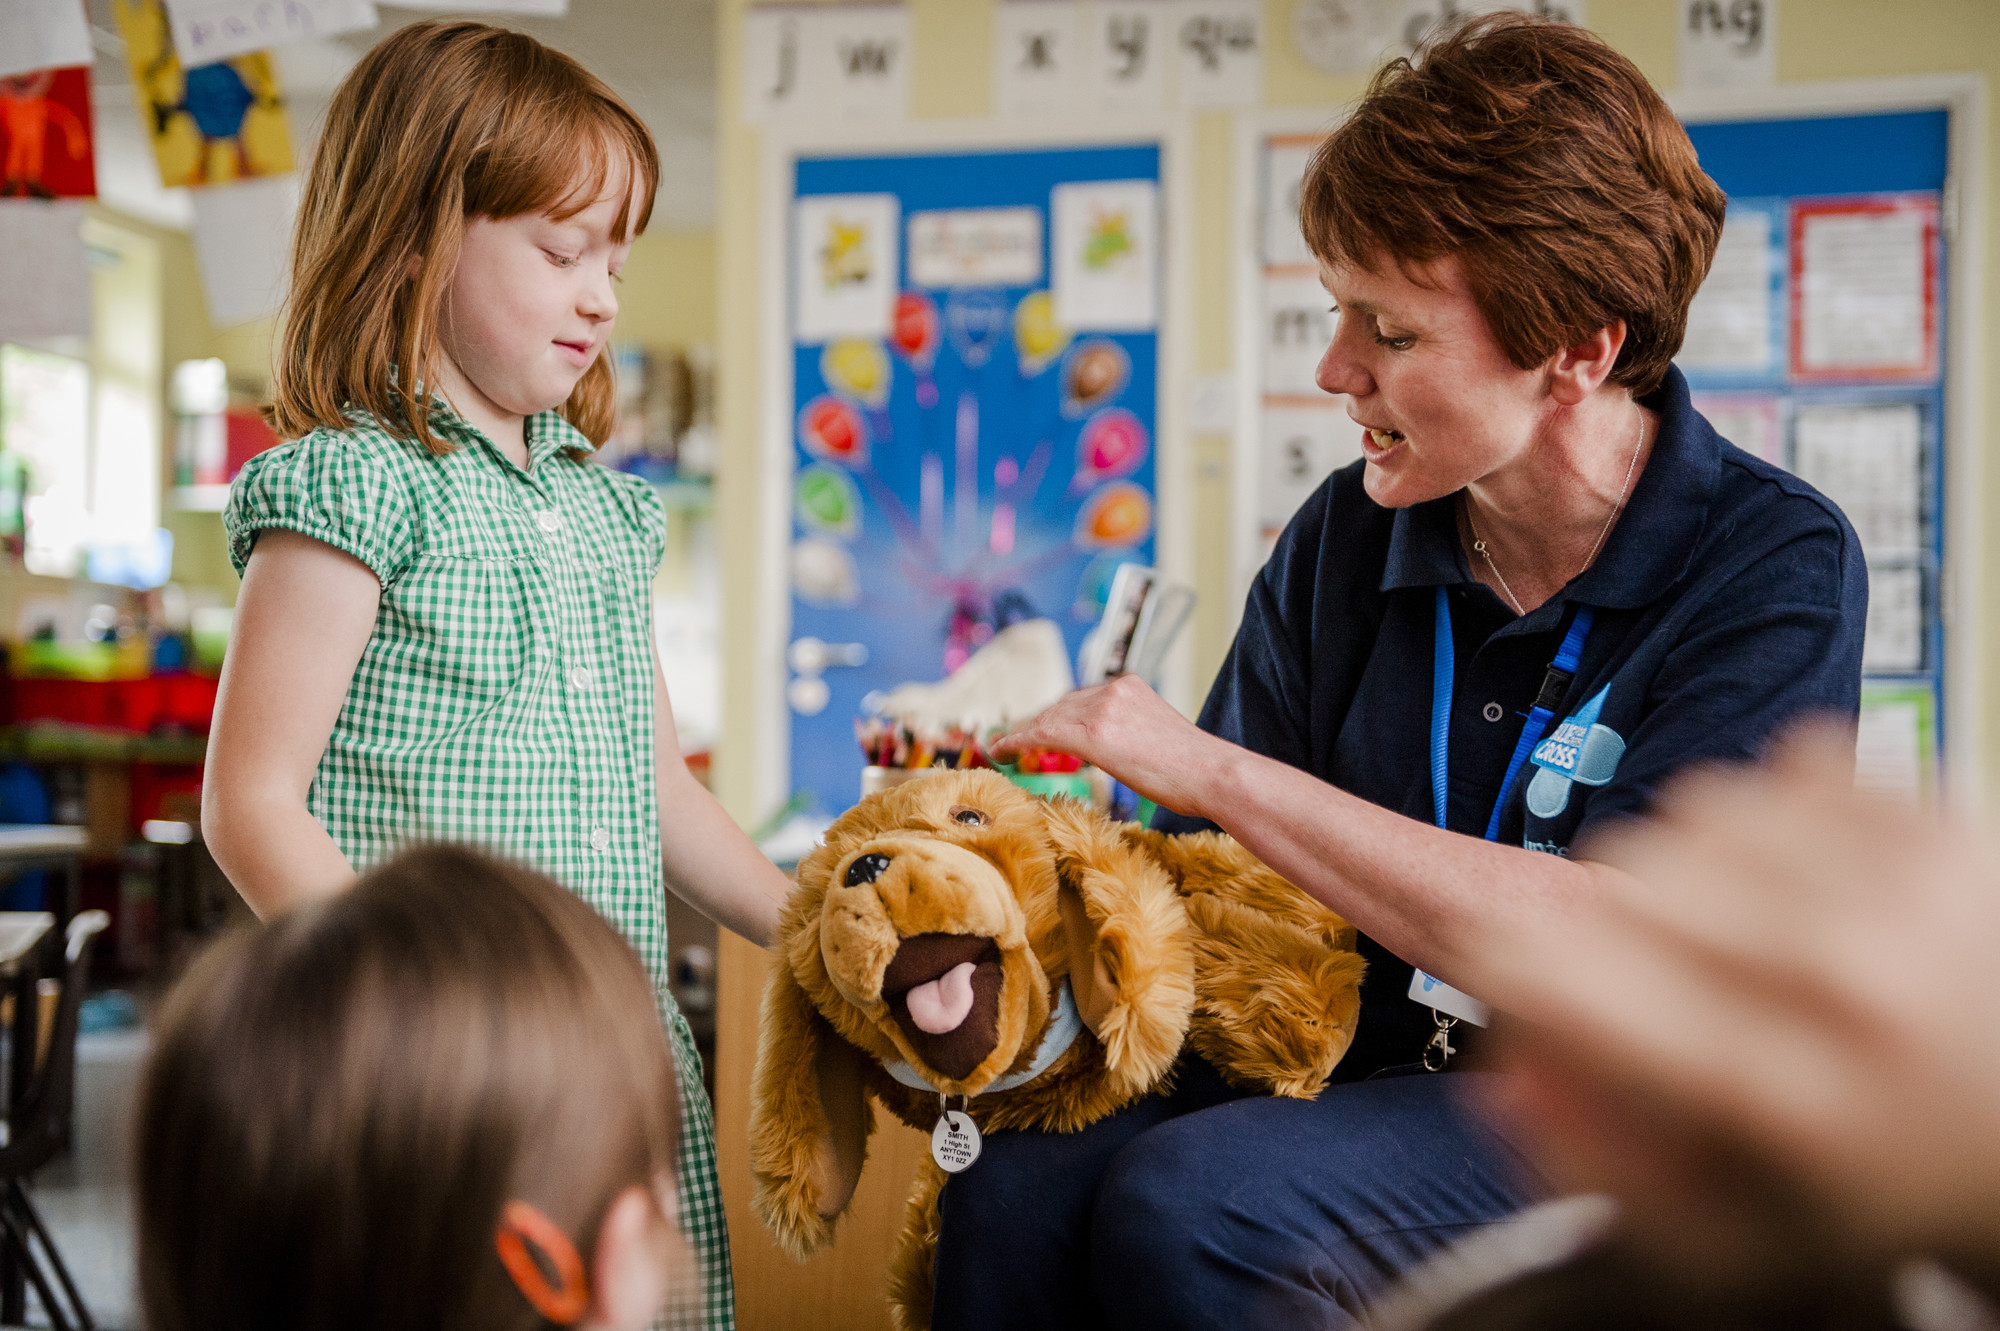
973,816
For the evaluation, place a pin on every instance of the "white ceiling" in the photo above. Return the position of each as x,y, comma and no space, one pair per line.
658,54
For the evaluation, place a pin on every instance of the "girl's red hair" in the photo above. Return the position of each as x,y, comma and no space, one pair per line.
440,122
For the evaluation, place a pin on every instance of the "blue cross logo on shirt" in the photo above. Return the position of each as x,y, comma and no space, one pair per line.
1579,750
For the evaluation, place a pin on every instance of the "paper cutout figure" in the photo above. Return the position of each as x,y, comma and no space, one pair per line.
1038,338
1094,373
1117,515
210,124
857,368
833,431
45,123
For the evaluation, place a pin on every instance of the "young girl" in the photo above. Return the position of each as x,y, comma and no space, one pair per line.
444,628
438,1102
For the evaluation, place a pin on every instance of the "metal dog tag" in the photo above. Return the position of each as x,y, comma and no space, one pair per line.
955,1142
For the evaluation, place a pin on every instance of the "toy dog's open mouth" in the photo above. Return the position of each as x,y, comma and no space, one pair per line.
944,991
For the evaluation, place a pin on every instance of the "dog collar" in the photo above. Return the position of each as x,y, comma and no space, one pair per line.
1062,1033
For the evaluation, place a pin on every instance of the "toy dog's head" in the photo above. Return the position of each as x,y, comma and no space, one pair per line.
934,929
929,914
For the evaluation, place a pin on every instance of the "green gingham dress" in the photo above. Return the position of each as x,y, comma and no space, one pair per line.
505,699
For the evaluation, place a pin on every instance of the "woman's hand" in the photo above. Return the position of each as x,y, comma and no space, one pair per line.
1128,730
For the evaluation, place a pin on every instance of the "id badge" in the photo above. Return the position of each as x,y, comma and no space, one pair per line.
1435,993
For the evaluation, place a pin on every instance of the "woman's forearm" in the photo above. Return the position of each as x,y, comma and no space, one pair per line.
1426,894
273,852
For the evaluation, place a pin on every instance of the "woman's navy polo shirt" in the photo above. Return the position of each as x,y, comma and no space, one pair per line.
1731,599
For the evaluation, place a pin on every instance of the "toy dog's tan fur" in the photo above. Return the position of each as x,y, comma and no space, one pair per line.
1166,942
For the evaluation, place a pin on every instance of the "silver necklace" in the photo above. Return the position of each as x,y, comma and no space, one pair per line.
1479,546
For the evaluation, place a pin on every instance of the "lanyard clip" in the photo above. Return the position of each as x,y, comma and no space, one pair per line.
1440,1049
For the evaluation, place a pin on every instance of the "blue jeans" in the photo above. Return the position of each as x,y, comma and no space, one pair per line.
1211,1209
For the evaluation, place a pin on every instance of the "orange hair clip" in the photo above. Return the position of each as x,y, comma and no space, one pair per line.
520,1225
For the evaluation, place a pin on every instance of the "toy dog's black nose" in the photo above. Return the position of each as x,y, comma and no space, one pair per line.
866,869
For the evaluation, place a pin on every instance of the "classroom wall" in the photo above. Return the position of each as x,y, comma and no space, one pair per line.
950,79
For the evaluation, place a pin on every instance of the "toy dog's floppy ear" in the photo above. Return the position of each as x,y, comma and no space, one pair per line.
809,1120
1131,961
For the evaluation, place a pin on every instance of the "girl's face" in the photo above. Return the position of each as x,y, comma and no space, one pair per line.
1439,403
531,305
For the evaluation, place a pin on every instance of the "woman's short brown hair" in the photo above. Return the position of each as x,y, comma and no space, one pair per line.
339,1104
1544,163
439,122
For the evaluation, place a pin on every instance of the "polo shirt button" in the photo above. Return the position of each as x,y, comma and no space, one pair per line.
579,678
549,521
1492,711
600,839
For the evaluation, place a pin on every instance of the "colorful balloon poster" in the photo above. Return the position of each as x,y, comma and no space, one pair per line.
974,463
211,124
45,137
1112,443
1038,338
833,431
858,369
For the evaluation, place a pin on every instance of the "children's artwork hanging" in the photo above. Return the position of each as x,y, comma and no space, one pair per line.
45,137
213,123
974,445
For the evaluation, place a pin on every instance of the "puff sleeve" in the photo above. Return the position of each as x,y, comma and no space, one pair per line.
335,486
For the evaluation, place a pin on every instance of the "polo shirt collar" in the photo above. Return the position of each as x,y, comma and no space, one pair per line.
1647,552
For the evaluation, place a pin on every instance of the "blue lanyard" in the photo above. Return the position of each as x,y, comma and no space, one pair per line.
1554,685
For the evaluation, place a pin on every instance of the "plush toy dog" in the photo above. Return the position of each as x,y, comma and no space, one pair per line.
957,937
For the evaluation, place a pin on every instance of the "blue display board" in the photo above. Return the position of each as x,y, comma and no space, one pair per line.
979,464
1821,191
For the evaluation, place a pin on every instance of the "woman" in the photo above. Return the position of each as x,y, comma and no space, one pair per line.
1548,586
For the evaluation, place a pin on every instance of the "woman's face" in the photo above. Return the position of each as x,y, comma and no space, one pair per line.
1439,403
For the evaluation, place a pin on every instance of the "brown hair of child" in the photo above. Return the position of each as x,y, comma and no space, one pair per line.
1543,163
339,1105
439,122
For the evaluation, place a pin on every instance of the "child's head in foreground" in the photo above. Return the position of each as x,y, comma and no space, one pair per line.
470,202
440,1100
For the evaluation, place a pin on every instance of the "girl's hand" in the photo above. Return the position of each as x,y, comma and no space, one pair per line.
1126,729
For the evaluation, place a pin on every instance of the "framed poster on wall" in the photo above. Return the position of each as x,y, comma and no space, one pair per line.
973,345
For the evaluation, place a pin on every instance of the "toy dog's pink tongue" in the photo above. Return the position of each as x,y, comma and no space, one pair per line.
940,1005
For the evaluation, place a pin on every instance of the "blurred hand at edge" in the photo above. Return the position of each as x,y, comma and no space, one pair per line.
1778,1044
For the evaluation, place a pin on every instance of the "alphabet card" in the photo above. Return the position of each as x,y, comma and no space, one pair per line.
848,62
1221,52
1035,56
